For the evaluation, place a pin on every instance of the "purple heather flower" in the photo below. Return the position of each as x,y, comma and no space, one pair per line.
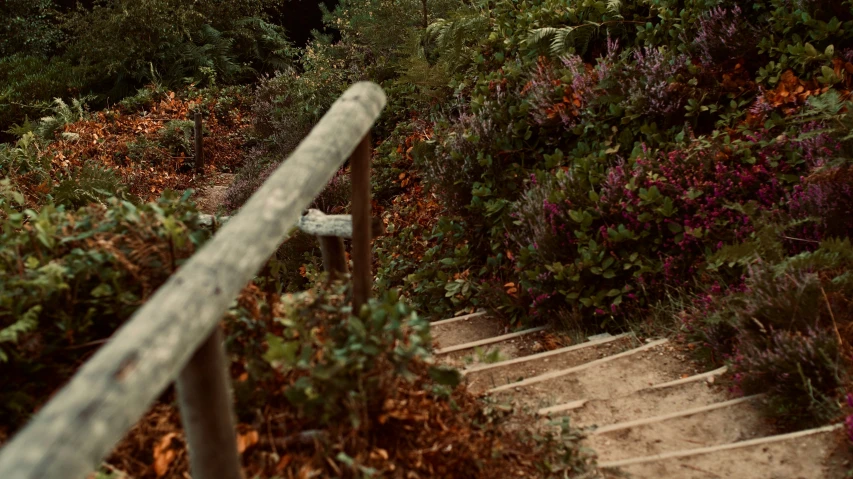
652,79
723,34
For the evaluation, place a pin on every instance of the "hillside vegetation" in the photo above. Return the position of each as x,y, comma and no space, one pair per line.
678,165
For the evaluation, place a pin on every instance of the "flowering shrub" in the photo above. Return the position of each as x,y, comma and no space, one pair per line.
825,202
465,168
785,330
723,34
646,226
799,371
555,100
657,84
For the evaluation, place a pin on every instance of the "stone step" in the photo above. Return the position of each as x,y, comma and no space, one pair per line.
465,329
485,376
811,454
694,391
711,425
611,376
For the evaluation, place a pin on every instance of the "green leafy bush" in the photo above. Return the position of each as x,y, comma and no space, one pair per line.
61,114
288,105
369,379
88,184
172,43
30,28
344,363
144,98
30,83
148,152
68,279
21,164
177,137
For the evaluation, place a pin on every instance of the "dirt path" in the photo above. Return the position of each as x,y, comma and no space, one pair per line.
647,409
211,195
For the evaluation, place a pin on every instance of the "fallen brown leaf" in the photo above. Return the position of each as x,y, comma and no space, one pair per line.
247,440
164,454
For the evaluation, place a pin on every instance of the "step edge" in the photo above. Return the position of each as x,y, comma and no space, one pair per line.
698,377
673,415
722,447
555,352
492,340
578,403
476,314
564,372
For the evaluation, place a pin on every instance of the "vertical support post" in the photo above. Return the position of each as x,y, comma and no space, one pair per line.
362,277
334,256
204,395
199,149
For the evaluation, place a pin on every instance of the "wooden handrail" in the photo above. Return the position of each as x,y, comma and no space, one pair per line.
72,434
313,222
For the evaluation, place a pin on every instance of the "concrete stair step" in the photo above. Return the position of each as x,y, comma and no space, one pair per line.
811,454
611,376
465,329
710,425
694,391
482,377
497,348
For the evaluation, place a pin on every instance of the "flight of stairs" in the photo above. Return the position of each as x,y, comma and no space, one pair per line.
647,412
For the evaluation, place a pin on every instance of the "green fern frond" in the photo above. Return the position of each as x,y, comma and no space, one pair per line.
63,114
539,35
268,42
565,40
27,323
89,184
614,7
453,38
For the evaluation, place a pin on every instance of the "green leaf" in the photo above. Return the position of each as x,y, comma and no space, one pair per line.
102,290
445,376
576,216
593,196
280,351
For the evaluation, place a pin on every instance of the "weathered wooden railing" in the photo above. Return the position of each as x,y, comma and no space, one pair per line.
175,336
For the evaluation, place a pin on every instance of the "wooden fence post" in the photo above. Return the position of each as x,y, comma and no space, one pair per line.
204,394
334,256
362,277
199,149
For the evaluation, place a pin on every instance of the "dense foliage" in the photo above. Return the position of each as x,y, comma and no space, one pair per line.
70,278
583,162
47,52
588,161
